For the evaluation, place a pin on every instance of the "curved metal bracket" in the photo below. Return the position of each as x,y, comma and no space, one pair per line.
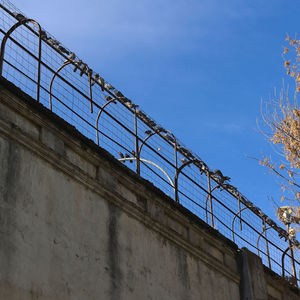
153,164
152,134
206,201
99,114
3,44
178,171
145,140
282,265
257,244
69,62
138,154
267,247
52,79
282,260
235,215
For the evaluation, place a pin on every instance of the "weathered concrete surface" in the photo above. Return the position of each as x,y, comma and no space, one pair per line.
77,224
253,285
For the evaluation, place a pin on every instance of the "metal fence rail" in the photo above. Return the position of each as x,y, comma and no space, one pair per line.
46,70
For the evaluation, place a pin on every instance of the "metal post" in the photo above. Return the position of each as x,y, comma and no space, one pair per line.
282,261
239,213
90,88
210,201
267,244
178,171
239,201
52,80
175,153
292,255
99,114
39,67
138,167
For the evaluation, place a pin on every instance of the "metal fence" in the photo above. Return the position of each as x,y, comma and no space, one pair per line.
53,75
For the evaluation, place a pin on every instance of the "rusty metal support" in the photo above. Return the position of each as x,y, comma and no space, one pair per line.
291,253
265,229
139,149
3,44
69,62
175,151
178,171
267,248
292,260
52,80
233,219
90,88
282,261
99,114
137,152
210,201
239,201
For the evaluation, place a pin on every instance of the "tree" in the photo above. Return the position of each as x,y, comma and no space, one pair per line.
281,117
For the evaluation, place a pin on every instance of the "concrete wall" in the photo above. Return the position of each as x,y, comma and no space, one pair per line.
77,224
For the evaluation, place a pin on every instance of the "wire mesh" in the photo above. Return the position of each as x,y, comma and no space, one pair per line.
74,92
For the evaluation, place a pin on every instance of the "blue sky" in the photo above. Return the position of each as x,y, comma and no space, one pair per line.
200,68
